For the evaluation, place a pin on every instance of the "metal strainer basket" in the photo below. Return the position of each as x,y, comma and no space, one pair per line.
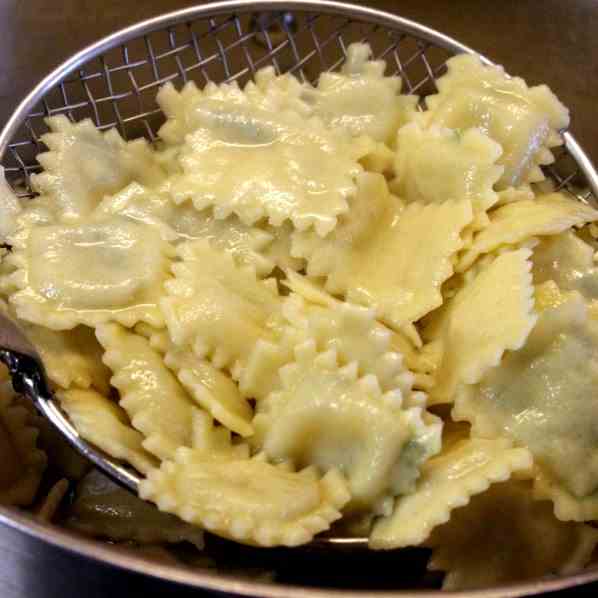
114,82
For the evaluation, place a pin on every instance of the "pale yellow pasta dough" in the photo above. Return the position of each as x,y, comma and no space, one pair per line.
212,389
84,164
91,273
10,208
158,337
268,311
569,262
493,312
513,194
525,121
103,423
278,250
422,361
242,158
216,306
504,536
103,509
311,313
70,357
449,480
542,397
360,99
261,374
211,438
548,295
184,222
515,222
156,403
247,500
435,164
395,263
356,336
326,416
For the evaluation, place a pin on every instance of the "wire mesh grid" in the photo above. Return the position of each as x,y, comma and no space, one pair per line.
117,88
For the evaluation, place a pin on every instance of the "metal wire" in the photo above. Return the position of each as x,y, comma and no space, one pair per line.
115,81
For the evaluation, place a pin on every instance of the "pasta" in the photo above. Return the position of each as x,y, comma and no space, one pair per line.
156,403
557,367
363,436
71,358
360,99
103,423
525,121
449,480
91,273
398,263
515,222
84,164
183,222
217,307
568,261
242,159
257,503
490,314
213,390
314,308
433,165
10,208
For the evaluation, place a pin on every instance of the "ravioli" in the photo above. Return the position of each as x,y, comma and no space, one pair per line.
70,357
247,500
213,390
103,423
178,223
464,468
435,164
541,397
395,262
83,164
525,121
325,416
217,307
360,99
516,222
569,262
240,158
493,312
75,274
156,403
310,308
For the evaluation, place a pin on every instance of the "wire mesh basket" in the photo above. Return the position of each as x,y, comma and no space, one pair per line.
115,81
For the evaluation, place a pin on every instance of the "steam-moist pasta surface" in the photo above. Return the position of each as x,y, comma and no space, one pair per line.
316,308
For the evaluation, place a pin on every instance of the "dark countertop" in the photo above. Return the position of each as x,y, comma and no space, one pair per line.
551,41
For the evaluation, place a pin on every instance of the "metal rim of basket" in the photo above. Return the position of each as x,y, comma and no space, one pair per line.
179,573
328,7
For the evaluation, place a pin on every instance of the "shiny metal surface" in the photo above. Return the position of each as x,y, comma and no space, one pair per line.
67,541
13,131
28,376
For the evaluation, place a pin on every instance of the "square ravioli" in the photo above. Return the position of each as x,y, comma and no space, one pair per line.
91,273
